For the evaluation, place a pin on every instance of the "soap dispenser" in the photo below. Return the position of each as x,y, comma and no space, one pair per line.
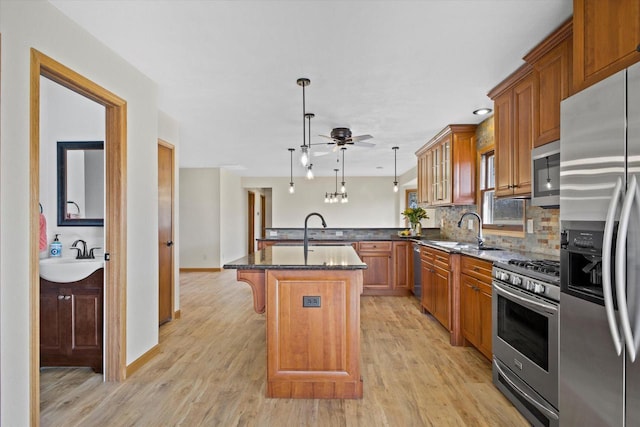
55,248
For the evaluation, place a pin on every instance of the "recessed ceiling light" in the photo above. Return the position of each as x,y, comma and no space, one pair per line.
482,111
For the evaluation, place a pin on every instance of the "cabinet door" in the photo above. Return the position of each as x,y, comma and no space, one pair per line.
402,252
503,133
428,186
469,309
485,322
553,72
428,286
378,272
524,119
606,38
445,167
53,324
441,285
86,319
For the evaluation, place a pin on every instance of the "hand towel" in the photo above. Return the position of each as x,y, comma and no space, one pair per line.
43,232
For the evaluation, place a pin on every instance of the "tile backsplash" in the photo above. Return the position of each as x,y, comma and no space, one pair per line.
545,238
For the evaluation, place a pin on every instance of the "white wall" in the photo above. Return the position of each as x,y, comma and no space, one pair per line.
233,217
200,217
372,202
38,24
65,116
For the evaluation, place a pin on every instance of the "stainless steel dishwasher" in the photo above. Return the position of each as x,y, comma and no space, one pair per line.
417,271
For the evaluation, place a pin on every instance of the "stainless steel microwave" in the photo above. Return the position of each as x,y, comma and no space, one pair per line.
545,175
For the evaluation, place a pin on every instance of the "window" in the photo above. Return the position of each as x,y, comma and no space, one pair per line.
497,214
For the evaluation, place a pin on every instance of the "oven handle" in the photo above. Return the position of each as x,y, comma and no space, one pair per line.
621,256
607,241
530,399
548,308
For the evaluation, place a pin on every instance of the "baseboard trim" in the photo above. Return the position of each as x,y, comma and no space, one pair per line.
177,315
200,270
142,360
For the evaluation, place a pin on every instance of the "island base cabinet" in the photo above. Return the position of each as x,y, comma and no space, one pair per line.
313,334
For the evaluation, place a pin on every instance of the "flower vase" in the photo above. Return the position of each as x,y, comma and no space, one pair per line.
416,229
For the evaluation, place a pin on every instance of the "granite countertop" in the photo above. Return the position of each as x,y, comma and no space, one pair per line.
495,255
346,239
291,257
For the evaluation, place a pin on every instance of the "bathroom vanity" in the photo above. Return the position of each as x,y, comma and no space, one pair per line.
71,322
312,306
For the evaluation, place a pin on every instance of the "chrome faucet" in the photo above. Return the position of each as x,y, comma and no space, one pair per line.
306,237
480,238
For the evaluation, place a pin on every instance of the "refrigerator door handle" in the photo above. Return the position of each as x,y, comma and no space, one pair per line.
621,273
607,241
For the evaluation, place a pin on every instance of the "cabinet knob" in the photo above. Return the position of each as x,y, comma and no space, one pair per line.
67,297
60,297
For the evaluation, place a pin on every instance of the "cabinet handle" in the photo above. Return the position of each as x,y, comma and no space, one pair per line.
475,268
60,297
638,48
67,297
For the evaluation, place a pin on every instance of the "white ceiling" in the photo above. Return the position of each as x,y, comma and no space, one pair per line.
398,70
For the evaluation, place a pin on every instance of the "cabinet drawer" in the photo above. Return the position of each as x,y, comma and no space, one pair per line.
375,246
478,268
441,259
480,285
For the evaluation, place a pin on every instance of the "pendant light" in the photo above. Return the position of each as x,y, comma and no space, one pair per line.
395,169
333,197
292,189
548,178
309,116
304,158
343,189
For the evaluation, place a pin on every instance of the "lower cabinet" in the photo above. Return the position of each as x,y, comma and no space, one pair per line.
71,322
378,257
436,296
403,265
475,303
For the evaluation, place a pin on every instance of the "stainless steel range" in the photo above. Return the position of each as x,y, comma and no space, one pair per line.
526,297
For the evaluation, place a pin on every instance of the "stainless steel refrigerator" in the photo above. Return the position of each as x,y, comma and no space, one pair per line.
599,373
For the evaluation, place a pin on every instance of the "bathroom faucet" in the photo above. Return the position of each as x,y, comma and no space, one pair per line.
306,237
480,238
82,251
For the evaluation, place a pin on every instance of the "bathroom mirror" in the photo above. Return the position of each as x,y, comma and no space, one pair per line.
80,183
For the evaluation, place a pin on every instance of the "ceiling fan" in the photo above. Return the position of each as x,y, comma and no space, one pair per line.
342,136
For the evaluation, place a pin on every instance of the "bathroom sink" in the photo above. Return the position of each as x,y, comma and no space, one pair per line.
65,270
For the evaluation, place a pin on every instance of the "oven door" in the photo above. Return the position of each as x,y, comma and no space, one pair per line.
526,338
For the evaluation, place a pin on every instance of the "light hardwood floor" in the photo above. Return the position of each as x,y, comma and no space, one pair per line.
211,371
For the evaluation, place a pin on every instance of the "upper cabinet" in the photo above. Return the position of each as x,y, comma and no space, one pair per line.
551,61
446,167
514,118
527,110
606,39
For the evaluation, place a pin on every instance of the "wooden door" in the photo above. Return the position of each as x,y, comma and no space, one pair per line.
165,232
251,223
263,217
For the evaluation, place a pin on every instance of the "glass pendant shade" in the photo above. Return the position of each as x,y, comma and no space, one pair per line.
304,157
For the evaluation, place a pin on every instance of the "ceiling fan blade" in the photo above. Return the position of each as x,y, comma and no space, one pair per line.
366,144
361,137
319,153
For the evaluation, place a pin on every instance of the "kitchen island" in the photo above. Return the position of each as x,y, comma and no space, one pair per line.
312,305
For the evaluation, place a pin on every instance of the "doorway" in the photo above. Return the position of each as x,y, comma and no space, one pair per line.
114,220
251,214
165,232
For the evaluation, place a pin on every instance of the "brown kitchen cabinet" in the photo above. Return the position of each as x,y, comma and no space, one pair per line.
378,257
514,119
435,284
475,303
446,167
402,265
606,39
71,322
552,67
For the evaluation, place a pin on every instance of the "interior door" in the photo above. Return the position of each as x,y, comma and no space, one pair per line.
263,217
165,232
251,224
